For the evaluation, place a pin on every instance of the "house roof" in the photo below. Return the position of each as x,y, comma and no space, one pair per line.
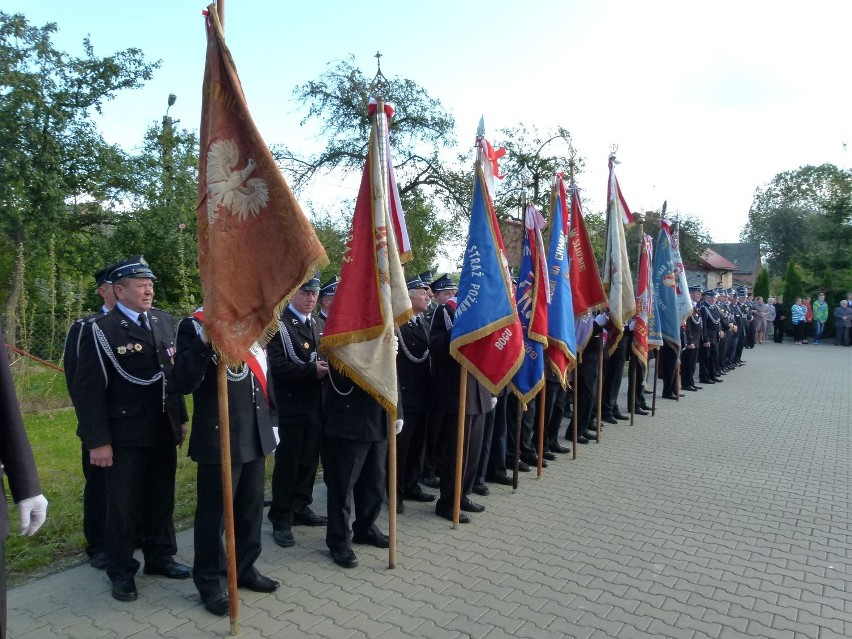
712,260
743,254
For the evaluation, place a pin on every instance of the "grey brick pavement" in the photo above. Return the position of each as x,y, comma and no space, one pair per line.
726,515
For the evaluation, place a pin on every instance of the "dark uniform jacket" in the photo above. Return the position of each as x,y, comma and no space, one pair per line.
292,361
692,330
711,323
414,377
446,370
16,456
72,353
250,416
117,410
350,413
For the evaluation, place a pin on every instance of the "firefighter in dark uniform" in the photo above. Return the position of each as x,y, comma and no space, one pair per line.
297,375
326,297
132,422
711,330
692,343
354,462
94,492
251,406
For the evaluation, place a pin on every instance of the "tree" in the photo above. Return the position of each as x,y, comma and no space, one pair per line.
56,171
761,285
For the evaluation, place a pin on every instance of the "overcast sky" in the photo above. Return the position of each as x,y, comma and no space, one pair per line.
705,102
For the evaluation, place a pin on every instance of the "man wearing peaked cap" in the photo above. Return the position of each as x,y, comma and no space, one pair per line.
131,423
692,343
297,374
711,332
326,297
94,492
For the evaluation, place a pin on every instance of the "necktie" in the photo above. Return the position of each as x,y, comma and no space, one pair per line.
308,322
143,322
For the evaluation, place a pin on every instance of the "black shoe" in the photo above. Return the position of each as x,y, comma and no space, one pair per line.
669,396
523,467
309,518
218,605
124,590
344,558
284,537
582,440
618,415
609,419
372,538
170,569
431,482
505,480
99,560
259,583
640,411
447,513
590,434
690,388
481,489
400,507
532,461
470,506
548,456
556,447
419,495
719,380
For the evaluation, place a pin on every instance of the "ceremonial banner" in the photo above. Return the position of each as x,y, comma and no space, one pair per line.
533,298
255,246
587,293
562,342
664,289
487,338
683,300
372,297
617,280
643,302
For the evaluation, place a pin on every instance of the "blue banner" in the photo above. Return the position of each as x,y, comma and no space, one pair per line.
665,294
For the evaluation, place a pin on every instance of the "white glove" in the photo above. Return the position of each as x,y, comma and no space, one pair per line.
32,512
601,319
493,403
398,423
632,324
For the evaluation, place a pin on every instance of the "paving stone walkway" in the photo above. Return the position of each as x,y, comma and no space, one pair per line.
727,515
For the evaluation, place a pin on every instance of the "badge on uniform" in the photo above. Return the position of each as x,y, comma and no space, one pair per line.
137,347
306,345
122,350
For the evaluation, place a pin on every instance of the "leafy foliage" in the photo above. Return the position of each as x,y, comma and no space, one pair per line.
761,285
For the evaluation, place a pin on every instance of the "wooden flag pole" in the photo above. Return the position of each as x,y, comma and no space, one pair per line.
227,494
677,376
632,391
459,446
600,392
541,401
516,465
392,496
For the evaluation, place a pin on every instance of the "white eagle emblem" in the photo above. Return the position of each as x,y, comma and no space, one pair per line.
231,188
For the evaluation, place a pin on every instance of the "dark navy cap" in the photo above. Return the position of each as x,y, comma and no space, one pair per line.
741,291
426,277
416,282
443,283
710,293
694,289
330,287
312,284
132,267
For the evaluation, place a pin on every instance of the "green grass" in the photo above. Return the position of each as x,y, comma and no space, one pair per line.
60,542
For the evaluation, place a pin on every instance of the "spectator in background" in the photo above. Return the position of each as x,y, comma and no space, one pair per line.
797,315
778,323
820,310
809,318
842,321
759,321
770,318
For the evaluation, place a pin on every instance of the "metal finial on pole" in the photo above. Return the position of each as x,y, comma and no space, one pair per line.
480,129
379,77
572,163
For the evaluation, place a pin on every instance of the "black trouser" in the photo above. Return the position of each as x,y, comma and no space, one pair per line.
432,447
587,392
353,469
555,405
687,366
613,374
410,450
636,377
296,463
706,366
667,366
140,487
497,453
799,331
209,567
485,452
473,429
528,424
94,506
778,336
